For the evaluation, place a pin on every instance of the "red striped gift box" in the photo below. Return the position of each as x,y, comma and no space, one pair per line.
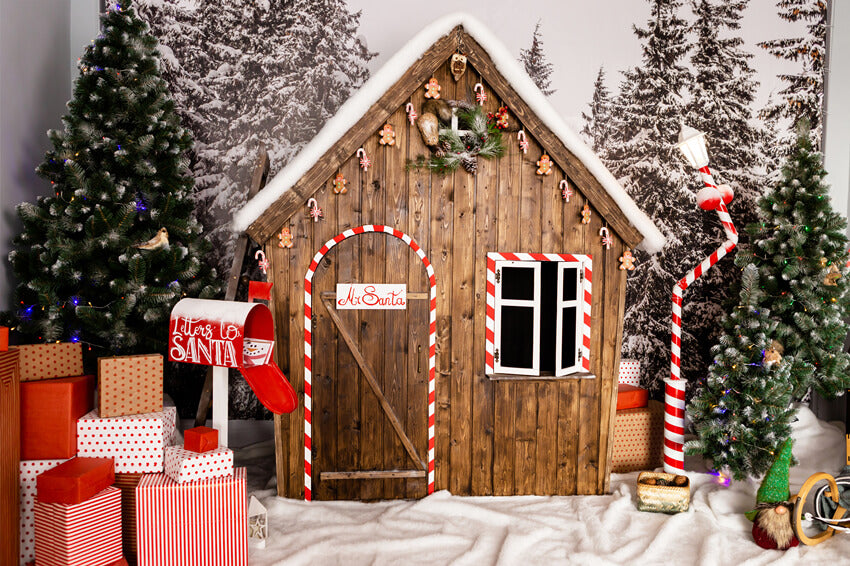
79,534
200,523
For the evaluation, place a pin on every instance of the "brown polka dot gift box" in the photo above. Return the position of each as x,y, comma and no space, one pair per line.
638,439
129,385
46,361
136,442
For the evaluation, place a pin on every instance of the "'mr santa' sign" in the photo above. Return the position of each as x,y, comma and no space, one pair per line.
388,296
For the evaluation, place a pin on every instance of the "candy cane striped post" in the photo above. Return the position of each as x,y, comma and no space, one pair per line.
308,339
490,331
674,415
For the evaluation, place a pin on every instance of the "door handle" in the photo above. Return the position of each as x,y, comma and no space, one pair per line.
419,358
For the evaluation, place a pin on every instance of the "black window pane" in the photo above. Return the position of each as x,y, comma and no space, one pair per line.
569,348
570,290
517,347
517,283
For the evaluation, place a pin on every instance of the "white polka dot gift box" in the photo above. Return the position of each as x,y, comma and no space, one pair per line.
629,372
183,465
136,442
30,469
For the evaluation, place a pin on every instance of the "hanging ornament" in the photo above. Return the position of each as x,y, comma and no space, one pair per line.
499,117
387,135
585,214
523,143
260,256
627,261
773,355
566,191
411,113
285,238
315,211
365,162
832,276
160,240
432,89
544,166
480,95
607,240
339,184
458,66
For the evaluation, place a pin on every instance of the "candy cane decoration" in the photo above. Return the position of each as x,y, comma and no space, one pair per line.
607,240
308,346
411,113
523,143
262,261
566,191
674,397
315,211
365,162
480,95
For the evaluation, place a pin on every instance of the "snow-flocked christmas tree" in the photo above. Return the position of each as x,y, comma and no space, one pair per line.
597,124
803,95
800,248
105,257
743,412
535,63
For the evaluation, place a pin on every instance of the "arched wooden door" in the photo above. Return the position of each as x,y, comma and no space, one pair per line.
369,373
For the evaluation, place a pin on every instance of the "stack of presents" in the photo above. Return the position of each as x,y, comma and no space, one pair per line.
100,479
638,424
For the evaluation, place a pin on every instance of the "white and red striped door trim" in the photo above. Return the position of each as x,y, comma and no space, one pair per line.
308,339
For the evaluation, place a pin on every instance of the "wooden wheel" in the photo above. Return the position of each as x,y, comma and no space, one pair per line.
800,501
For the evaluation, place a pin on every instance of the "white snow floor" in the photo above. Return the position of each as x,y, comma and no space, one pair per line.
531,530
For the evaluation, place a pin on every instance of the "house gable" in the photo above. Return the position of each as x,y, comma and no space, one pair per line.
295,190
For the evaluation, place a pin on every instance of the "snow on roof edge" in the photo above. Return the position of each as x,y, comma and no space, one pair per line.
360,102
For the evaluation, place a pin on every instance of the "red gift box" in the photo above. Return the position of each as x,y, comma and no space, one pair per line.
29,472
4,338
203,522
82,534
10,433
200,439
76,480
49,413
638,438
129,385
631,397
46,361
137,442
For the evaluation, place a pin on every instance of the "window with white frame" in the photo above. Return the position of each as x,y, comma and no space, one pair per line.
539,314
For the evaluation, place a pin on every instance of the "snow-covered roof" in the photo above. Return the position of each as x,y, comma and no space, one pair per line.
360,102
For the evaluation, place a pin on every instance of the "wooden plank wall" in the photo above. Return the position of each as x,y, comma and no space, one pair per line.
493,437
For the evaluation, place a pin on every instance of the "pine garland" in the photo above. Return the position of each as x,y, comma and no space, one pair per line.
482,139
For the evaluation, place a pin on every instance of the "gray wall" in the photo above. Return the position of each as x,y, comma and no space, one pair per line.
40,41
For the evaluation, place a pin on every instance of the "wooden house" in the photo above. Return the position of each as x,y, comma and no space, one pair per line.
497,375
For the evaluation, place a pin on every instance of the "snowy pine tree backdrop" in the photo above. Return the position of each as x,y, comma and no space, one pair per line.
243,72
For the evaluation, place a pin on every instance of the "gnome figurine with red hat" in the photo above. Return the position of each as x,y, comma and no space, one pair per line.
772,516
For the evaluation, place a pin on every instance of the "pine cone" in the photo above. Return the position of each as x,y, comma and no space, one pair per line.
470,164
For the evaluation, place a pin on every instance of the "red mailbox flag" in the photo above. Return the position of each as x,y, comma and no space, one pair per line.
235,335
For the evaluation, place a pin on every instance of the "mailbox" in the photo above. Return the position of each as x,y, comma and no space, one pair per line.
229,334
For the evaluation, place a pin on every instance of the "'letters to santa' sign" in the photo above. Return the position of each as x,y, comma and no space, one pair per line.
371,296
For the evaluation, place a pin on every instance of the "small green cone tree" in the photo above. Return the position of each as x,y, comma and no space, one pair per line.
742,414
800,248
119,176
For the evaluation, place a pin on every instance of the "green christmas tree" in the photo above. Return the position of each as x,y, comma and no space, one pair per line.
742,413
119,177
800,248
